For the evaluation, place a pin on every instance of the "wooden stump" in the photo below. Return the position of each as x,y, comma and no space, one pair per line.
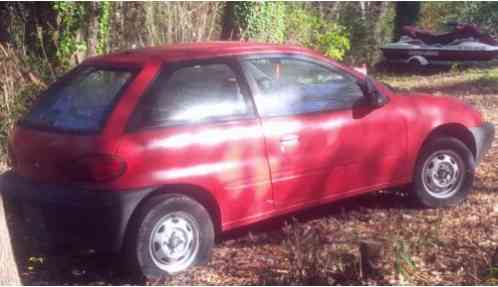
494,259
371,258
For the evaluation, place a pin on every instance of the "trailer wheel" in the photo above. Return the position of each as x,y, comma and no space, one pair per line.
417,62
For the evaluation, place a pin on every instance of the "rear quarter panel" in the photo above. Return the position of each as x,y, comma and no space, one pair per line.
227,160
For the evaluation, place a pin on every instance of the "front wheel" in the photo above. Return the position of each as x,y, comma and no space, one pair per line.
170,234
444,173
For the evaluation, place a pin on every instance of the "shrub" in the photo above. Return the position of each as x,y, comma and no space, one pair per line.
71,16
279,22
261,21
18,87
312,259
304,26
368,32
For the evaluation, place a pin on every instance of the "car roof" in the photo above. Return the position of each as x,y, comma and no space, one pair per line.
192,51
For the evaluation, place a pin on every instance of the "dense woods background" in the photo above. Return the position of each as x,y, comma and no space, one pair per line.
39,41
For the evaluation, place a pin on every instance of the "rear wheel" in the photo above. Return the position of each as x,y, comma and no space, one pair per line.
170,234
444,173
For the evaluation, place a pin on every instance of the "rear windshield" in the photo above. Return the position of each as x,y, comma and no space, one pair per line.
81,101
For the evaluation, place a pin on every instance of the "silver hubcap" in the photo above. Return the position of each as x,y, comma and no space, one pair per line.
174,242
442,174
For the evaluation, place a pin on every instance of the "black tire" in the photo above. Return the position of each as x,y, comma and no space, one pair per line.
414,66
138,249
461,156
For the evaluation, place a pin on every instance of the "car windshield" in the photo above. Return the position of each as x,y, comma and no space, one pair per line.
81,101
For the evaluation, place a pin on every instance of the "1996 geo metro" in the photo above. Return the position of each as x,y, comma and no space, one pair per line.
155,151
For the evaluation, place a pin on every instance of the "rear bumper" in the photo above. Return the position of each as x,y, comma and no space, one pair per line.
96,219
483,136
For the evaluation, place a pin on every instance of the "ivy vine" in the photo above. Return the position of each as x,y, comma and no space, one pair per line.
282,22
261,21
70,17
104,26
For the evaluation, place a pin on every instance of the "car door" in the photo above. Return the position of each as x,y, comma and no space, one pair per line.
307,117
196,127
312,136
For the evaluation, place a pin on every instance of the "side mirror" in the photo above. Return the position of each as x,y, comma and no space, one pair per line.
373,96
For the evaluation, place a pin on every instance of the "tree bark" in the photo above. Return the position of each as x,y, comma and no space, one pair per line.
230,29
92,33
4,23
376,12
9,274
406,14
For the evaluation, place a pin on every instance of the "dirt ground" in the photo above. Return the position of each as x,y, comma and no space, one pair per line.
422,246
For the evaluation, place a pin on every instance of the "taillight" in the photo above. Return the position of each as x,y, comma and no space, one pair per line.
95,168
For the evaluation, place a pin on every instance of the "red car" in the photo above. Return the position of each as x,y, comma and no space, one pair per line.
155,151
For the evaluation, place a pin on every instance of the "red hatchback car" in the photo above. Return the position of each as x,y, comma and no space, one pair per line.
155,151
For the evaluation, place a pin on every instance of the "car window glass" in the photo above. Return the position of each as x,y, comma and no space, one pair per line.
294,86
81,102
196,93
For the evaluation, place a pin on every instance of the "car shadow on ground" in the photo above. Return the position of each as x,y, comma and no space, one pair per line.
381,200
41,263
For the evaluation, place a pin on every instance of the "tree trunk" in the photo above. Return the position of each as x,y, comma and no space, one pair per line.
406,14
92,33
230,29
9,274
4,23
376,12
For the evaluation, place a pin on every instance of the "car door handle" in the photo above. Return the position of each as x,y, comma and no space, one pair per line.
289,139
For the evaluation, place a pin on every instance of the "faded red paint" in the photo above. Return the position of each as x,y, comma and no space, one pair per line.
253,168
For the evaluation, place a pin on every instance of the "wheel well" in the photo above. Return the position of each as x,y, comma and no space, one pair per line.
457,131
199,194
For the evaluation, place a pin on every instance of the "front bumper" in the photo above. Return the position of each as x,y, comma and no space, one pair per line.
483,136
74,216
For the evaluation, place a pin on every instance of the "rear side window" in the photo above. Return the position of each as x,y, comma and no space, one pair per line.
80,102
192,94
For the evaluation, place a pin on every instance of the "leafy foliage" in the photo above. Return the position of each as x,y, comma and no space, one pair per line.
304,26
369,27
484,14
18,88
71,16
435,14
281,22
104,26
261,21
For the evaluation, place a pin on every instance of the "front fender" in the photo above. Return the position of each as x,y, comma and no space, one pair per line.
427,114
